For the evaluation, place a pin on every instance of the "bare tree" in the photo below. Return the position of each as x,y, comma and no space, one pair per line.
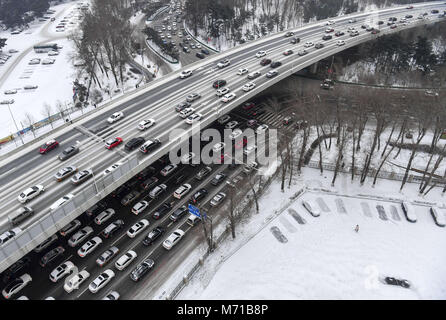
29,122
47,112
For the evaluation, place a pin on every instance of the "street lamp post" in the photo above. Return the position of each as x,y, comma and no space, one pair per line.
18,132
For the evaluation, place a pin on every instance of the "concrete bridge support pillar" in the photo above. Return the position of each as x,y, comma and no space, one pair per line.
313,68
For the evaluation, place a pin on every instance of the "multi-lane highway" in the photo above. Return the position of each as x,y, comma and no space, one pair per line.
158,103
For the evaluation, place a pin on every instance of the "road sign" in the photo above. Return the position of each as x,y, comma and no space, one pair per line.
194,210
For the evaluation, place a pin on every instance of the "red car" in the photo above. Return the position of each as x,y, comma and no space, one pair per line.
110,144
264,62
241,143
50,145
248,105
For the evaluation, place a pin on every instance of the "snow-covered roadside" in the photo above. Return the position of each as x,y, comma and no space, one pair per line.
324,258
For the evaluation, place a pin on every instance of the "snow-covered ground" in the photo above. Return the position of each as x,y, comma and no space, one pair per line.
323,257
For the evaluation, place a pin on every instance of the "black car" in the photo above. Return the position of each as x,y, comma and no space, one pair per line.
380,22
319,45
181,106
68,153
276,64
200,55
218,179
178,213
148,183
18,267
130,197
219,83
264,62
144,174
120,192
205,51
397,282
186,49
200,194
142,269
327,37
150,145
97,208
112,228
295,40
152,236
408,16
51,255
134,143
434,11
161,210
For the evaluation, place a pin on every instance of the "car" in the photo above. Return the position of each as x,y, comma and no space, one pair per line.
224,119
157,191
340,42
181,106
186,49
48,146
308,44
125,260
354,33
311,208
150,145
234,134
205,51
199,195
393,26
178,213
327,37
223,63
10,91
186,112
369,28
161,210
185,74
137,228
153,235
260,54
408,16
80,236
104,216
130,197
380,22
69,228
272,74
112,228
65,173
328,30
34,61
75,281
46,243
16,285
200,55
265,62
409,7
112,168
173,239
221,92
82,176
249,167
249,149
115,117
262,129
203,172
182,190
289,34
62,270
146,172
142,269
145,124
48,61
330,22
193,118
111,143
112,295
219,83
248,86
140,207
148,183
295,40
352,20
364,26
319,45
288,52
228,97
254,75
167,170
375,31
51,255
134,143
339,33
53,53
16,268
218,199
30,193
89,246
106,256
242,71
61,201
397,282
101,281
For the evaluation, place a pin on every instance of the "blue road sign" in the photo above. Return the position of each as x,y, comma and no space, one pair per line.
194,210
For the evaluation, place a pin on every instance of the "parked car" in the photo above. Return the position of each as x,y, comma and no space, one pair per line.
45,244
106,256
182,190
16,285
218,179
112,228
89,246
173,239
112,295
125,260
203,172
104,216
142,269
74,282
153,235
162,210
130,197
178,213
62,270
157,191
80,236
18,267
101,281
199,195
137,228
311,208
51,256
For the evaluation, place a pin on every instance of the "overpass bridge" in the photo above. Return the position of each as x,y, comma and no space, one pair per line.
157,100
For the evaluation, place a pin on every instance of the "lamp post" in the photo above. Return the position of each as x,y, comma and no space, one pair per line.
18,132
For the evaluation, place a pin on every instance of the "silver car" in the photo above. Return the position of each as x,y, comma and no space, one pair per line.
82,176
65,172
107,256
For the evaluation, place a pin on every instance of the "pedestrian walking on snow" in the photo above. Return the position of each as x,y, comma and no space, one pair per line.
357,228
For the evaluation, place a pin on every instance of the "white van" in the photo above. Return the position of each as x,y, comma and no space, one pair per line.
192,220
409,211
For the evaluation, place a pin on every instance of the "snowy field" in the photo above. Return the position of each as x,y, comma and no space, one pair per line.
323,257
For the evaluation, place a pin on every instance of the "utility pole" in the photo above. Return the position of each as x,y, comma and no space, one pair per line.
18,131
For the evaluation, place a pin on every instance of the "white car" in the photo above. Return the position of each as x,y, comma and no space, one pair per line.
231,124
104,216
16,285
76,281
224,119
196,117
115,117
308,44
140,207
185,74
80,236
30,193
182,190
235,134
167,170
145,124
62,270
249,86
262,128
218,146
329,22
261,54
249,167
311,207
217,199
89,246
111,168
242,71
101,281
48,61
137,228
173,239
228,97
222,92
198,45
112,295
53,53
328,30
125,260
249,149
61,201
13,91
186,112
340,42
223,63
